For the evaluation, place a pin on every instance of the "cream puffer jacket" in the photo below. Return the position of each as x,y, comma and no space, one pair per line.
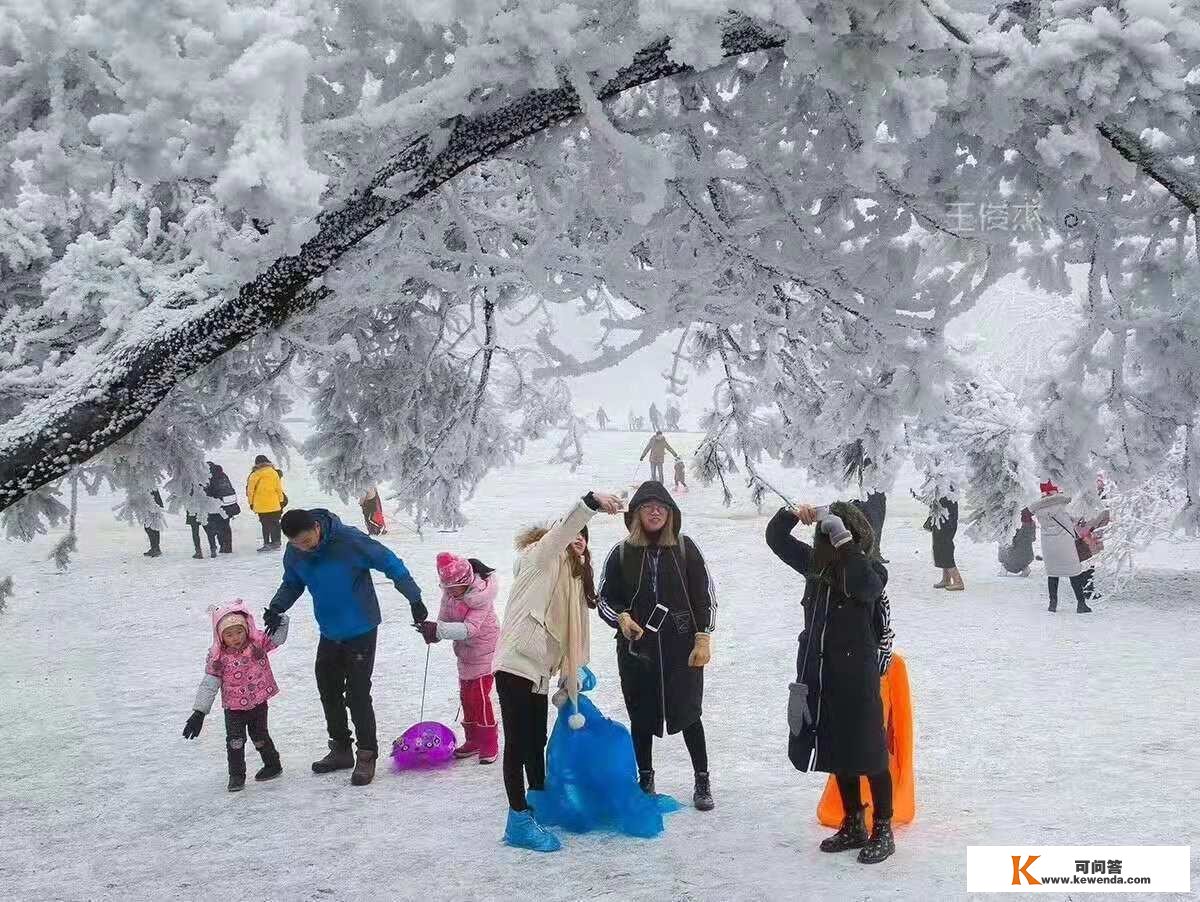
545,629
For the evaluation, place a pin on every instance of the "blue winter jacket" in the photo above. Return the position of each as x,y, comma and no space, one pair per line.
337,573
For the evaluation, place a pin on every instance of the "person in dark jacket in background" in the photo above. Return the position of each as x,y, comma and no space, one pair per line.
334,562
220,488
875,507
835,712
943,528
662,672
152,534
1017,555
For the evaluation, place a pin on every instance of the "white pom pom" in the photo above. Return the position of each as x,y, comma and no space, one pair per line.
576,721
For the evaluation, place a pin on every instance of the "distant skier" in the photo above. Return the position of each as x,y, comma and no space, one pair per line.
372,511
1059,550
1017,555
237,666
657,448
154,535
656,422
671,418
602,419
680,475
264,492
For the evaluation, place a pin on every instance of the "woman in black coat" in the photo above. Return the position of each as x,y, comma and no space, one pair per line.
220,488
943,524
835,713
662,671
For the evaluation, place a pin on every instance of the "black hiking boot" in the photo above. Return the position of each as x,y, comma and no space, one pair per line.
272,766
364,768
339,758
1082,608
702,797
882,844
237,781
1053,607
646,781
851,835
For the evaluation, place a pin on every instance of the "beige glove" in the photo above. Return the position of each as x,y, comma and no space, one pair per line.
701,651
629,628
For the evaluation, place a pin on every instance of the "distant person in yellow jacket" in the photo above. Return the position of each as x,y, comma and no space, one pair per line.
264,492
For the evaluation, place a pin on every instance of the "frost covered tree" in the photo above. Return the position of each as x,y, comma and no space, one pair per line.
195,206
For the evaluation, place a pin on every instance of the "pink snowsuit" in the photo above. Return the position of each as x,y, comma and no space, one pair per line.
475,611
244,677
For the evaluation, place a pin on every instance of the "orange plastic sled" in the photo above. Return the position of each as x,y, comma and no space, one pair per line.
898,721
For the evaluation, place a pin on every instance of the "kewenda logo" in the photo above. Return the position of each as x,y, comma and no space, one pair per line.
1022,870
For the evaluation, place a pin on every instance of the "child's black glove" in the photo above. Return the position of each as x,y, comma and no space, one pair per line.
272,620
192,728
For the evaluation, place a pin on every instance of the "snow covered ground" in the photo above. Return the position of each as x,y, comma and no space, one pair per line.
1031,728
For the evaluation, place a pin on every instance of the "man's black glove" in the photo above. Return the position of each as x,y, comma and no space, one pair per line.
192,728
420,615
272,620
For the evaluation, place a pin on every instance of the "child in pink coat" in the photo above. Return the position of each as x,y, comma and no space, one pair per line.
468,617
237,667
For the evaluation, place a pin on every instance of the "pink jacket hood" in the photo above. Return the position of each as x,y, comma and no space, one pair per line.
477,611
219,612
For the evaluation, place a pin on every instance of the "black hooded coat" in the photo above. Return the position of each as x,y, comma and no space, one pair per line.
641,572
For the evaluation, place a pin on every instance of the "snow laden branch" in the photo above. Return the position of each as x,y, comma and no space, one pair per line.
99,407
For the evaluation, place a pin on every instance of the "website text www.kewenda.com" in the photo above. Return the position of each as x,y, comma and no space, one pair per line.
1083,880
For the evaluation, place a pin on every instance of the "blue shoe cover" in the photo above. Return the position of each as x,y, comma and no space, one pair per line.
523,832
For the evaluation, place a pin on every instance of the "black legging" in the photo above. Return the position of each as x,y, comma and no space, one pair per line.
1082,584
881,792
693,738
523,713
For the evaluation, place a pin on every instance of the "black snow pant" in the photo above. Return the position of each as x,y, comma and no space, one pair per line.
224,531
210,532
344,672
237,725
1081,584
656,470
693,738
523,713
270,528
881,792
155,538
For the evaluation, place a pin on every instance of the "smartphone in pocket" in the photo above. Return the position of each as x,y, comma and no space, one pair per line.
655,621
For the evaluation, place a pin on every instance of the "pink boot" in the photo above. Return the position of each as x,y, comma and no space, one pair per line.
489,743
470,746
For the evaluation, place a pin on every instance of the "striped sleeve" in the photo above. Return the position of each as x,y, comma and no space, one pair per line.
611,601
884,632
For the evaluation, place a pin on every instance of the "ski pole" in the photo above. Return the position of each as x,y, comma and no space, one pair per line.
424,682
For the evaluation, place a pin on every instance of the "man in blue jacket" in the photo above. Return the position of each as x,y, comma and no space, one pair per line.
334,562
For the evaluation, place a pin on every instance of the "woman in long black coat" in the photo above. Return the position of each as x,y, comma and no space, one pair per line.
943,524
662,673
835,713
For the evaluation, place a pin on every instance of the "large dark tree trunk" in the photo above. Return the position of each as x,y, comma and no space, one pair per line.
82,419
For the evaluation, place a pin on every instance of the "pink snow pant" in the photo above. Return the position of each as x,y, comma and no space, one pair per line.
479,718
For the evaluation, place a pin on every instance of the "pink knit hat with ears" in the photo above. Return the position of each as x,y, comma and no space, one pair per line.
454,571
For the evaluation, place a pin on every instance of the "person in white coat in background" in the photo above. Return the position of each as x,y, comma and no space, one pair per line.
1059,552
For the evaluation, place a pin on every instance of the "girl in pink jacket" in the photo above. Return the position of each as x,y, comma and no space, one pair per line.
238,668
468,617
